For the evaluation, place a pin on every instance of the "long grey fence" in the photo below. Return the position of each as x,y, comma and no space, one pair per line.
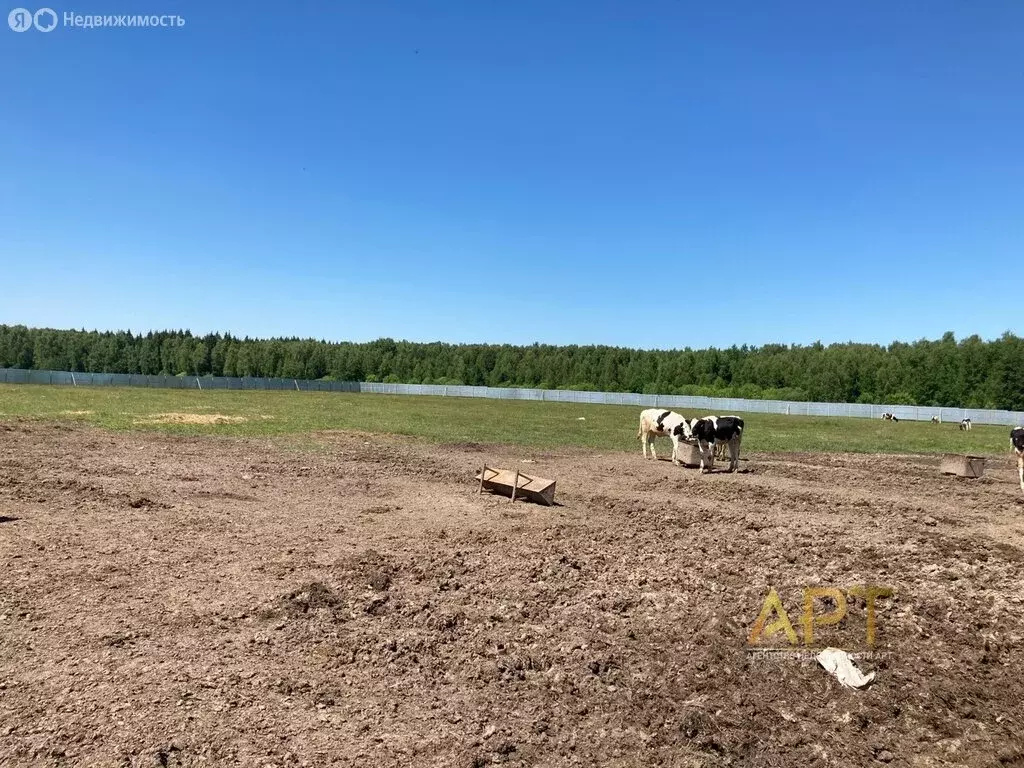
688,402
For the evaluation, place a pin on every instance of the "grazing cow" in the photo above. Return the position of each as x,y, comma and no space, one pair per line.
965,425
889,417
657,422
1017,441
936,420
712,430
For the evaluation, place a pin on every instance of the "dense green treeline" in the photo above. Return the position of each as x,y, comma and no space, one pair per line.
970,373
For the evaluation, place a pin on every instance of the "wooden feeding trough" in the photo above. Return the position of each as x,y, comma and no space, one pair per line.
517,485
962,465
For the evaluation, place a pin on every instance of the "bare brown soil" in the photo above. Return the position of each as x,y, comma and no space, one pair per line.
210,601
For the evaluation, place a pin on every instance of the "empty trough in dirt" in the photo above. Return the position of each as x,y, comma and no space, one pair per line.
964,466
517,485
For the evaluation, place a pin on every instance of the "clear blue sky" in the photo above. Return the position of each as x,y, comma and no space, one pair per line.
656,174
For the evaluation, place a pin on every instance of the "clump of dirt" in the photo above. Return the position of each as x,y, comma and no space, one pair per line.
309,598
369,569
191,418
381,509
467,447
379,581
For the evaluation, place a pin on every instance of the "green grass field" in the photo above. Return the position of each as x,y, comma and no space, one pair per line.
438,419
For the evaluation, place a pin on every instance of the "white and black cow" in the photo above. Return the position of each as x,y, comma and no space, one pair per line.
889,417
712,430
1017,441
722,446
965,425
936,420
657,422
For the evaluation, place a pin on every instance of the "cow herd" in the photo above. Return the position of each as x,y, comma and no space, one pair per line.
965,424
713,435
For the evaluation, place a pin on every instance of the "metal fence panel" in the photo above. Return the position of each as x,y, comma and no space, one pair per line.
697,403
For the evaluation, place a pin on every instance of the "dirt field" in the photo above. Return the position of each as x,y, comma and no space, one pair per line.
203,601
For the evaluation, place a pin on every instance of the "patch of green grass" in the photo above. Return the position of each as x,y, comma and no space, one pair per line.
441,419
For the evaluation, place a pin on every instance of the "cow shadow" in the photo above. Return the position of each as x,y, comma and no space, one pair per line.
717,462
717,470
8,519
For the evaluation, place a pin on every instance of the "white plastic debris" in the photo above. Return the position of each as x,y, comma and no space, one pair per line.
581,418
841,666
